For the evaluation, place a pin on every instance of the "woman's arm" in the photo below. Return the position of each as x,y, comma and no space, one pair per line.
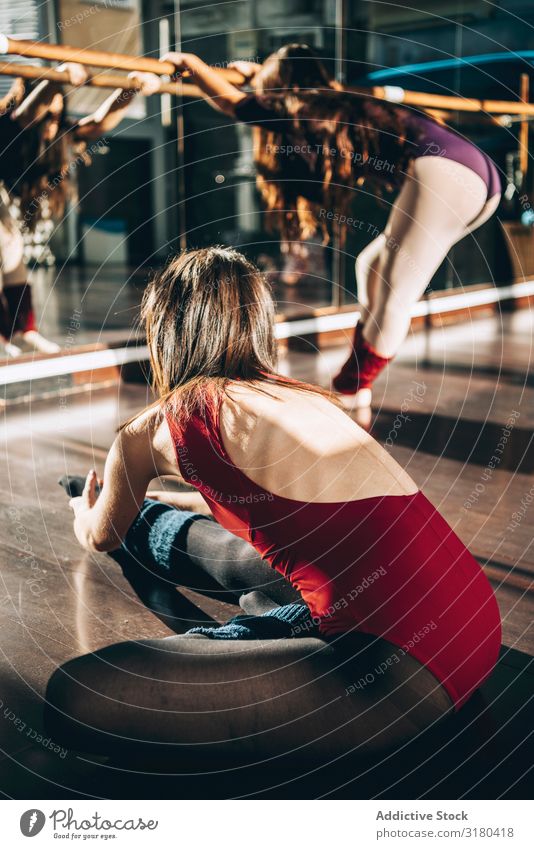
111,112
101,523
108,115
221,94
247,108
37,104
192,501
247,69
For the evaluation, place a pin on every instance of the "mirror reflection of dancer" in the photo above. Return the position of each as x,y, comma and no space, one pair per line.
340,142
38,146
311,511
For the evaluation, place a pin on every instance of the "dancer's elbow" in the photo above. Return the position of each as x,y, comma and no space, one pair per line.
227,105
102,544
97,540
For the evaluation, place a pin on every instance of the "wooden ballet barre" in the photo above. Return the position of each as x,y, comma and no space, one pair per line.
393,94
451,103
37,72
436,102
96,58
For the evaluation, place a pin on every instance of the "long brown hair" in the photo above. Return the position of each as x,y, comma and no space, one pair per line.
345,134
209,319
44,174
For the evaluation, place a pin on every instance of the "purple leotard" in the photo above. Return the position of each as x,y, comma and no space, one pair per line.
427,138
433,139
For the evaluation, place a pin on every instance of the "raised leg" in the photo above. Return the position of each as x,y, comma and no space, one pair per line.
367,269
353,391
435,209
439,204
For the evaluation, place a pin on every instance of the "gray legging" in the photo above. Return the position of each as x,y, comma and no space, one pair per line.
235,699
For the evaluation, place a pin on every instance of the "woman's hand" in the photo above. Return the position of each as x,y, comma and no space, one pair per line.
77,73
87,499
246,69
102,520
213,86
181,61
148,83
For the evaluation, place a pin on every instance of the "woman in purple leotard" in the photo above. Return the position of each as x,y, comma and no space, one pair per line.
315,145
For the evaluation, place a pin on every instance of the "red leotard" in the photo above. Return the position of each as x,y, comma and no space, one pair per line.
389,566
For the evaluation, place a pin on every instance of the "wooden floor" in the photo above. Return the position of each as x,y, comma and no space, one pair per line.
467,396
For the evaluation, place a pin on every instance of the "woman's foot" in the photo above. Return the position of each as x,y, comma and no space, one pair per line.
359,400
12,350
363,416
290,278
39,343
256,603
358,373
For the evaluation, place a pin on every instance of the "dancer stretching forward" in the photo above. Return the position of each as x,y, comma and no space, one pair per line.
391,597
316,145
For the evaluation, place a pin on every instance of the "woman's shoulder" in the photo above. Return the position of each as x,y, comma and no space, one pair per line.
269,111
273,404
145,423
148,437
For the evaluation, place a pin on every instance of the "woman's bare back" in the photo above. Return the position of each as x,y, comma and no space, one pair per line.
300,445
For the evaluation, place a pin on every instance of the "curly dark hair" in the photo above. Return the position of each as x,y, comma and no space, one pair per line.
346,134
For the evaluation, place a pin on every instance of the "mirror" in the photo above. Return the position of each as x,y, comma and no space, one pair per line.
175,173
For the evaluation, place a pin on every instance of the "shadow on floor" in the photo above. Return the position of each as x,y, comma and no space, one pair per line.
484,752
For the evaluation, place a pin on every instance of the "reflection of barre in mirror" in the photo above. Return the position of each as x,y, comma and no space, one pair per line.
37,72
41,148
316,147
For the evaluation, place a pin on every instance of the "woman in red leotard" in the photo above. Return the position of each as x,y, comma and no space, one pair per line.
401,624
